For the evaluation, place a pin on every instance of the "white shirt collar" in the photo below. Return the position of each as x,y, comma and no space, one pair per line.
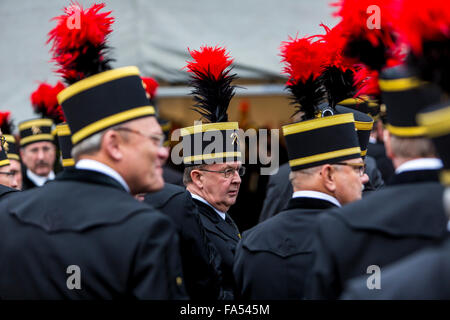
220,213
316,195
372,140
89,164
420,164
40,180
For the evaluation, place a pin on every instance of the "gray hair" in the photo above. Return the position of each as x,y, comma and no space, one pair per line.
294,175
412,147
90,145
187,173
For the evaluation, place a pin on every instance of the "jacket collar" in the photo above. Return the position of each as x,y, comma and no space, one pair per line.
89,176
309,203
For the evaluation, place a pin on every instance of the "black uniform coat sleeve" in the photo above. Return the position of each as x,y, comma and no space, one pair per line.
377,230
424,275
273,258
124,248
224,235
4,190
279,191
200,259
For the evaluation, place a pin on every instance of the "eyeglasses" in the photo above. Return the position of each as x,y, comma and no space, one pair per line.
9,173
228,172
360,168
158,139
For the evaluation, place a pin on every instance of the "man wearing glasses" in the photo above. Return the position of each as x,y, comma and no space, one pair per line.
274,258
405,216
7,177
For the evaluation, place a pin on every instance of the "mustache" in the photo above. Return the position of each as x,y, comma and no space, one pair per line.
42,163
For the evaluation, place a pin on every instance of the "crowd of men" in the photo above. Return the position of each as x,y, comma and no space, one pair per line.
87,212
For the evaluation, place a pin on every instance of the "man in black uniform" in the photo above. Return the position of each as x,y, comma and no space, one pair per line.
212,156
422,275
200,259
90,238
397,220
273,258
38,152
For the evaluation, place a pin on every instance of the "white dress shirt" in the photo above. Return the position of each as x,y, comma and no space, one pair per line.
220,213
89,164
40,180
420,164
316,195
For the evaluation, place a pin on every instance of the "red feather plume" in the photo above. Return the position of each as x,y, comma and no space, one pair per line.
303,59
212,61
334,42
151,86
79,41
421,21
366,82
4,118
371,46
45,102
211,79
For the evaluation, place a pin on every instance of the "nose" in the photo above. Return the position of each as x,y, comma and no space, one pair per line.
236,178
364,178
40,154
14,182
163,154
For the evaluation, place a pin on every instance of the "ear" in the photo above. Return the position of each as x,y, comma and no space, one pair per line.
112,145
197,178
387,144
327,174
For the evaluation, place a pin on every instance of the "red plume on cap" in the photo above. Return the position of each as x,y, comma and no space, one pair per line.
211,80
5,122
366,82
425,26
303,61
209,61
421,21
79,41
151,86
45,103
367,43
334,42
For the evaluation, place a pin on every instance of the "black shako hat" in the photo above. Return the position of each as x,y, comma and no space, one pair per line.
65,144
436,122
218,140
404,95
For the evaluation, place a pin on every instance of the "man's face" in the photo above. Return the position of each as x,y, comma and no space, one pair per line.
39,157
143,157
349,183
220,191
16,174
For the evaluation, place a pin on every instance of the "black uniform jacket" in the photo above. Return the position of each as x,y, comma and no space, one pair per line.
424,275
200,259
85,220
377,230
273,258
4,190
224,235
27,183
279,189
